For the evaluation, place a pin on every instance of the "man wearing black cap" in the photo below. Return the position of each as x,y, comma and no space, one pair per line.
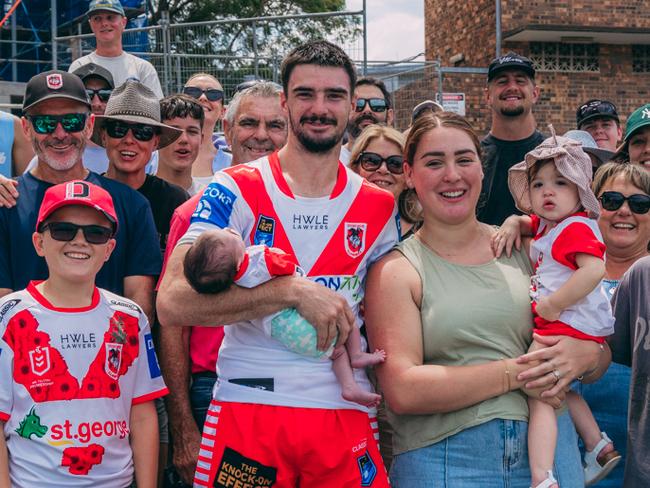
58,123
511,93
107,21
600,119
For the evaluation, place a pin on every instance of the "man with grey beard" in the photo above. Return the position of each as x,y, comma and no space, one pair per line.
372,105
58,123
511,93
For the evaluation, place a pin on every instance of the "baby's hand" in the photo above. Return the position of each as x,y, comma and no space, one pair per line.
546,310
506,236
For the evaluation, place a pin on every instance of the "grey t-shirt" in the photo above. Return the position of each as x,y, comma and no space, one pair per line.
631,346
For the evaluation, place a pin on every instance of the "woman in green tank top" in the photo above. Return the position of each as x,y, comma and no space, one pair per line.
453,321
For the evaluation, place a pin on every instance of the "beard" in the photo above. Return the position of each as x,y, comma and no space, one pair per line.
312,144
41,149
512,112
354,126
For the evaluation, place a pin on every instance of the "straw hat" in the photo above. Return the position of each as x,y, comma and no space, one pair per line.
571,162
134,102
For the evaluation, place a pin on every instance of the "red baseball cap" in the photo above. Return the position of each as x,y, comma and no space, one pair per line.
77,192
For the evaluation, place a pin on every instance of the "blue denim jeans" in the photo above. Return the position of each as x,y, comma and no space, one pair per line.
490,455
200,397
608,399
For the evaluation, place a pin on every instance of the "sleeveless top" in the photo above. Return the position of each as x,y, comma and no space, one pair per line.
6,143
471,314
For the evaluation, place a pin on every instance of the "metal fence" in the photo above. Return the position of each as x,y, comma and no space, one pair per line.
232,50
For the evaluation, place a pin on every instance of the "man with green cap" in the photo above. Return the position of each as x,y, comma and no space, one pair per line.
107,21
636,143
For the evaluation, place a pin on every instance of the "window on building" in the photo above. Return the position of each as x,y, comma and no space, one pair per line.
641,58
558,56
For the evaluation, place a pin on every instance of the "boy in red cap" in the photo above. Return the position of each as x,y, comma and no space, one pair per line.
78,372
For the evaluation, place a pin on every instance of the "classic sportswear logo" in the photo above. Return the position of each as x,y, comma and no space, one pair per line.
8,306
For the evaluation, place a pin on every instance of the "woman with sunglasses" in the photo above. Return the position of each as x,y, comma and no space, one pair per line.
636,143
377,157
624,194
207,90
452,319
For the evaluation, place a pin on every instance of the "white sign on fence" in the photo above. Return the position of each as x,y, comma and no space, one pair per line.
453,102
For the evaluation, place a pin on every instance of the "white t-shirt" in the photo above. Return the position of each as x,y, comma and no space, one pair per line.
334,240
68,380
554,258
123,67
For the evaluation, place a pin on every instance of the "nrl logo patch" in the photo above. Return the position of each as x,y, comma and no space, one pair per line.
39,360
54,81
355,239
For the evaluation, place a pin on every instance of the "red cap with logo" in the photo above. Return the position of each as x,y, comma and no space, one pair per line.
77,192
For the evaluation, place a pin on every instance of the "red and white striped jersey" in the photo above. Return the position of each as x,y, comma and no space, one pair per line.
334,239
68,379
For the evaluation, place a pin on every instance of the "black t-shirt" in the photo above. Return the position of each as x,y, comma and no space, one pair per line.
496,203
163,198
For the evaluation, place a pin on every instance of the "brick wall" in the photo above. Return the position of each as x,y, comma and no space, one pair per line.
610,14
468,27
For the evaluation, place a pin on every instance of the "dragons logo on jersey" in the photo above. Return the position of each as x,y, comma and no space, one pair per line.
39,360
113,359
31,425
265,231
355,239
367,469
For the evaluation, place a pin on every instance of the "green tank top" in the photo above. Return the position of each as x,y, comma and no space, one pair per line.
470,315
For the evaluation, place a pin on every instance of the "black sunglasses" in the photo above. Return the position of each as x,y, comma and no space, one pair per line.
211,94
103,93
118,129
613,200
46,124
67,231
372,162
376,104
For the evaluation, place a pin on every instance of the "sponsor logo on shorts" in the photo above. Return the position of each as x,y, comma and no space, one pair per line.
265,230
367,468
152,360
238,471
8,306
355,239
215,206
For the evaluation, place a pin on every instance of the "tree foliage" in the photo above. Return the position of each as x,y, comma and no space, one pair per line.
234,44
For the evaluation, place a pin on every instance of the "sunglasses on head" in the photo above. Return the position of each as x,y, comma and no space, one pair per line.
103,93
372,162
118,129
67,231
597,107
46,124
212,94
613,200
376,104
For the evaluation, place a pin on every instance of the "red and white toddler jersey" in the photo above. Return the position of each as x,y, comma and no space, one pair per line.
334,240
262,263
68,379
554,260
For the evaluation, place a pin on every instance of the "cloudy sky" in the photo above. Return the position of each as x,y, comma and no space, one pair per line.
395,28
